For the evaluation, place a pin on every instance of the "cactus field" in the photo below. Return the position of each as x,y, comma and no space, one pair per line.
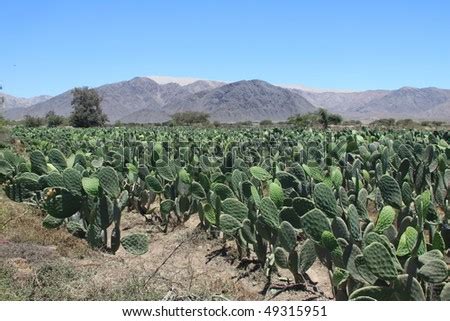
371,206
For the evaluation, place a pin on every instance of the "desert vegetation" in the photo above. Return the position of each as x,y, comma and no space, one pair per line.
370,206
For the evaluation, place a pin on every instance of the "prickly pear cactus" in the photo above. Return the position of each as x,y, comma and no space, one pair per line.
136,244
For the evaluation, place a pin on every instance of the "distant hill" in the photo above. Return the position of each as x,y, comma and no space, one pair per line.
119,99
252,100
156,98
12,102
406,102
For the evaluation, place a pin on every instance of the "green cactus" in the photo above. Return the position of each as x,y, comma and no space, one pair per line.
407,288
379,261
324,199
235,208
76,229
57,159
302,205
288,214
287,236
379,293
314,223
408,241
229,225
307,256
276,194
72,181
109,181
197,191
60,203
390,191
52,222
260,173
269,214
281,257
94,236
353,223
136,244
433,271
38,162
385,219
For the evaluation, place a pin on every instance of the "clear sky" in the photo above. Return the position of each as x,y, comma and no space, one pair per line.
50,46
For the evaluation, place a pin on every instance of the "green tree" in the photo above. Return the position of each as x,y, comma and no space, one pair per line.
190,118
320,117
383,122
31,121
86,108
266,122
54,120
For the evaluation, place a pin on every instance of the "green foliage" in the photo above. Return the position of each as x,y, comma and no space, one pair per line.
54,120
190,118
371,205
86,108
321,117
32,121
136,244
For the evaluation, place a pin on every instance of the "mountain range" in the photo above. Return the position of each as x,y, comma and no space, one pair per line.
155,99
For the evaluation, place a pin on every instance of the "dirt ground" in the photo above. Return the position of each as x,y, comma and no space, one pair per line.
184,264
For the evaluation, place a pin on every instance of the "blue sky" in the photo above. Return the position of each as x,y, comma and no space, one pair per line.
50,46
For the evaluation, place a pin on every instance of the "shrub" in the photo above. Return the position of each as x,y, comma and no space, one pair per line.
383,122
321,117
190,118
266,122
54,120
31,121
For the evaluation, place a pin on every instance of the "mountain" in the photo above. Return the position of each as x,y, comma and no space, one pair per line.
407,102
12,102
183,81
341,102
252,100
119,99
156,98
246,100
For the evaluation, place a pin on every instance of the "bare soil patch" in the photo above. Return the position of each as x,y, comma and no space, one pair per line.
183,264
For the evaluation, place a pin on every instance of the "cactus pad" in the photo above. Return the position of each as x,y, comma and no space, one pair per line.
287,236
109,181
307,256
235,208
390,191
314,223
260,173
379,261
324,199
228,224
136,244
407,288
434,271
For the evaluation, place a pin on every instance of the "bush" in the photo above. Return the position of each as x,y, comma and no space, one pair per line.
383,122
54,120
266,122
405,123
31,121
321,117
86,108
246,123
352,122
190,118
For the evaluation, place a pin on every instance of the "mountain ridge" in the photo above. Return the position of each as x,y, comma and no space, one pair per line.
143,99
